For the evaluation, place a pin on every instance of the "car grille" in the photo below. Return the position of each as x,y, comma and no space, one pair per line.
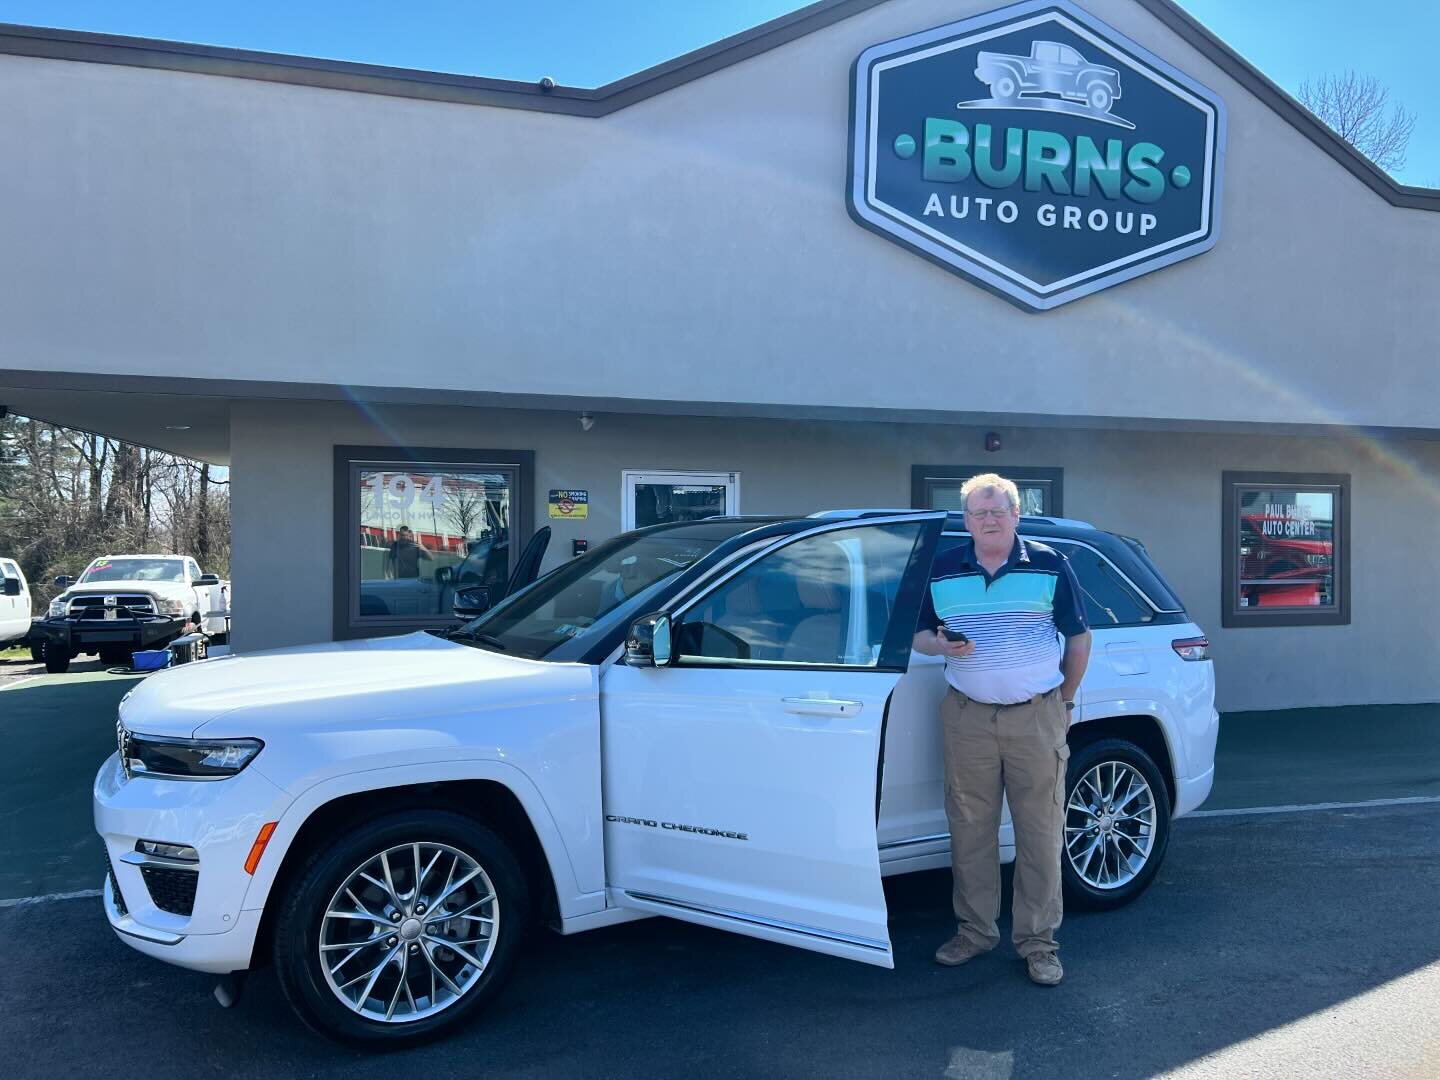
137,603
171,890
115,886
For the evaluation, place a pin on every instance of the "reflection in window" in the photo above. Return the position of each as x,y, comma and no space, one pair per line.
1109,601
826,599
656,503
1286,548
425,532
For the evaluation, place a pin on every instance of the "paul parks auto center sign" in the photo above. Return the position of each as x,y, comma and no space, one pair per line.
1036,151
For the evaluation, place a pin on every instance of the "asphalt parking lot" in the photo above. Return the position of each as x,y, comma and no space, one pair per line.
1272,943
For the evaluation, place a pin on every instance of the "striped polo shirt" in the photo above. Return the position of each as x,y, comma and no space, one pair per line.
1015,619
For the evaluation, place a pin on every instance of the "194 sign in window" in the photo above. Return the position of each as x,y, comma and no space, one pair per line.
425,532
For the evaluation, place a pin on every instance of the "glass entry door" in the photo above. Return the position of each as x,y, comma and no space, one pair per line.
654,497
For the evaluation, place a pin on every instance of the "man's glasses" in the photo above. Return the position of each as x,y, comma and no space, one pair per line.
993,515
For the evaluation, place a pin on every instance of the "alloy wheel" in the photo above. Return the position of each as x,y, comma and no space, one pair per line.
1110,825
409,932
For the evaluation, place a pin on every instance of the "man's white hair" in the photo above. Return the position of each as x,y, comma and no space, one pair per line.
987,482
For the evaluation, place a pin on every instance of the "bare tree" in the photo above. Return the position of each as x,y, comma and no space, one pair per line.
1358,108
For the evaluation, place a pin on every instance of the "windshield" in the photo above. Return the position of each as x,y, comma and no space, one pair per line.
586,597
134,570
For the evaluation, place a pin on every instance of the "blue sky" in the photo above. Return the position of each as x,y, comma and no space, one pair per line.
590,43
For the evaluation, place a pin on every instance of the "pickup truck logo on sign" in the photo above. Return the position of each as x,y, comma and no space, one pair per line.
1035,151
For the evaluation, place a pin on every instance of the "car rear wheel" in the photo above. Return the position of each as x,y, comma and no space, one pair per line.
1117,824
1098,97
402,929
37,651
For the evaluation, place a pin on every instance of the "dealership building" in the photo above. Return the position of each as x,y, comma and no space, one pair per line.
846,259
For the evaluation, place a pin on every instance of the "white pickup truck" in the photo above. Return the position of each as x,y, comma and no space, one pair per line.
720,721
125,603
14,603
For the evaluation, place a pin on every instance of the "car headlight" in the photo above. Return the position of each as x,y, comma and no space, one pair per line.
186,759
170,607
57,609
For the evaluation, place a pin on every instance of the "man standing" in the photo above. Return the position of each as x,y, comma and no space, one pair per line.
1005,717
406,553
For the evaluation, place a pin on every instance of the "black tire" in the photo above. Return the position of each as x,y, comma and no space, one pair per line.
37,651
301,911
1080,893
116,657
57,661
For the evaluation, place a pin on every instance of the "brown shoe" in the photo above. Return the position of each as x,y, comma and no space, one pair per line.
1044,968
958,950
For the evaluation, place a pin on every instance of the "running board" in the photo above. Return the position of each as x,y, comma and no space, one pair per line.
817,939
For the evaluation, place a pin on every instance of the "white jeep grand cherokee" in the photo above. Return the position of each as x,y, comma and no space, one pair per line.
720,721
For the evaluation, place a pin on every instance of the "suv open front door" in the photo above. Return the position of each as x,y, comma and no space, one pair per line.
740,780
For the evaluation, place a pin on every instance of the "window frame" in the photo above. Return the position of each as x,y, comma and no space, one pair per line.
1231,613
922,475
895,650
349,460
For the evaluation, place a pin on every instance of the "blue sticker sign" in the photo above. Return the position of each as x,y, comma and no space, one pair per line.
1035,151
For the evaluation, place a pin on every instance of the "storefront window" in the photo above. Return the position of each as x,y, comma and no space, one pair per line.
937,487
419,530
1285,549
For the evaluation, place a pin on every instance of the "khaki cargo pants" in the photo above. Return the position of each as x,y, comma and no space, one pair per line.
1018,752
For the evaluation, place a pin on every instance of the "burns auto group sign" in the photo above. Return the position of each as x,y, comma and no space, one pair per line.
1035,151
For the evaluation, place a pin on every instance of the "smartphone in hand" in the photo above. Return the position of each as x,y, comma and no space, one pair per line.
957,636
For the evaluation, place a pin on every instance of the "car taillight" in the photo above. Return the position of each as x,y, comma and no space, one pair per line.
1191,648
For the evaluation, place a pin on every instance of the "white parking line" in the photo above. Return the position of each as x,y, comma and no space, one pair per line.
22,901
1300,808
19,682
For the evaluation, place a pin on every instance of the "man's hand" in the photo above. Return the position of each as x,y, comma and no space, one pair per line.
934,643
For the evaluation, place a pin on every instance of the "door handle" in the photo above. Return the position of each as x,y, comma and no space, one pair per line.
811,706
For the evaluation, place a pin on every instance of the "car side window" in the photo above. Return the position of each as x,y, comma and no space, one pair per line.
824,599
1109,601
1069,55
193,567
1046,52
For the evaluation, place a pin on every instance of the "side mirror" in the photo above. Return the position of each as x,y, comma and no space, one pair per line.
445,575
208,579
64,581
12,586
648,643
471,601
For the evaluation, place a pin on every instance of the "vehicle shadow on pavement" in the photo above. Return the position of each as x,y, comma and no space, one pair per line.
1252,923
58,730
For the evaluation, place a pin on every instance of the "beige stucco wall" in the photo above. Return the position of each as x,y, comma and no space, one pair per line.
1162,488
693,247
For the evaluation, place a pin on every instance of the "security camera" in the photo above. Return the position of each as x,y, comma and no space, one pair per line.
586,421
547,84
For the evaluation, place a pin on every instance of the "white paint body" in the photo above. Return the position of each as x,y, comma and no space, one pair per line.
14,610
740,798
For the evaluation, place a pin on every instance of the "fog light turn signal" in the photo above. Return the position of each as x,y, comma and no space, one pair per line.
258,848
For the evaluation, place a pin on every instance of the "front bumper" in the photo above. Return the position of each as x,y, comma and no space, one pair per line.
220,820
89,635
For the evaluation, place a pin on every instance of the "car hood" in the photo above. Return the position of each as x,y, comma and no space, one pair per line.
159,588
391,680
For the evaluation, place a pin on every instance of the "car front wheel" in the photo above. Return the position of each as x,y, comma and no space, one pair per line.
1117,824
57,660
401,929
